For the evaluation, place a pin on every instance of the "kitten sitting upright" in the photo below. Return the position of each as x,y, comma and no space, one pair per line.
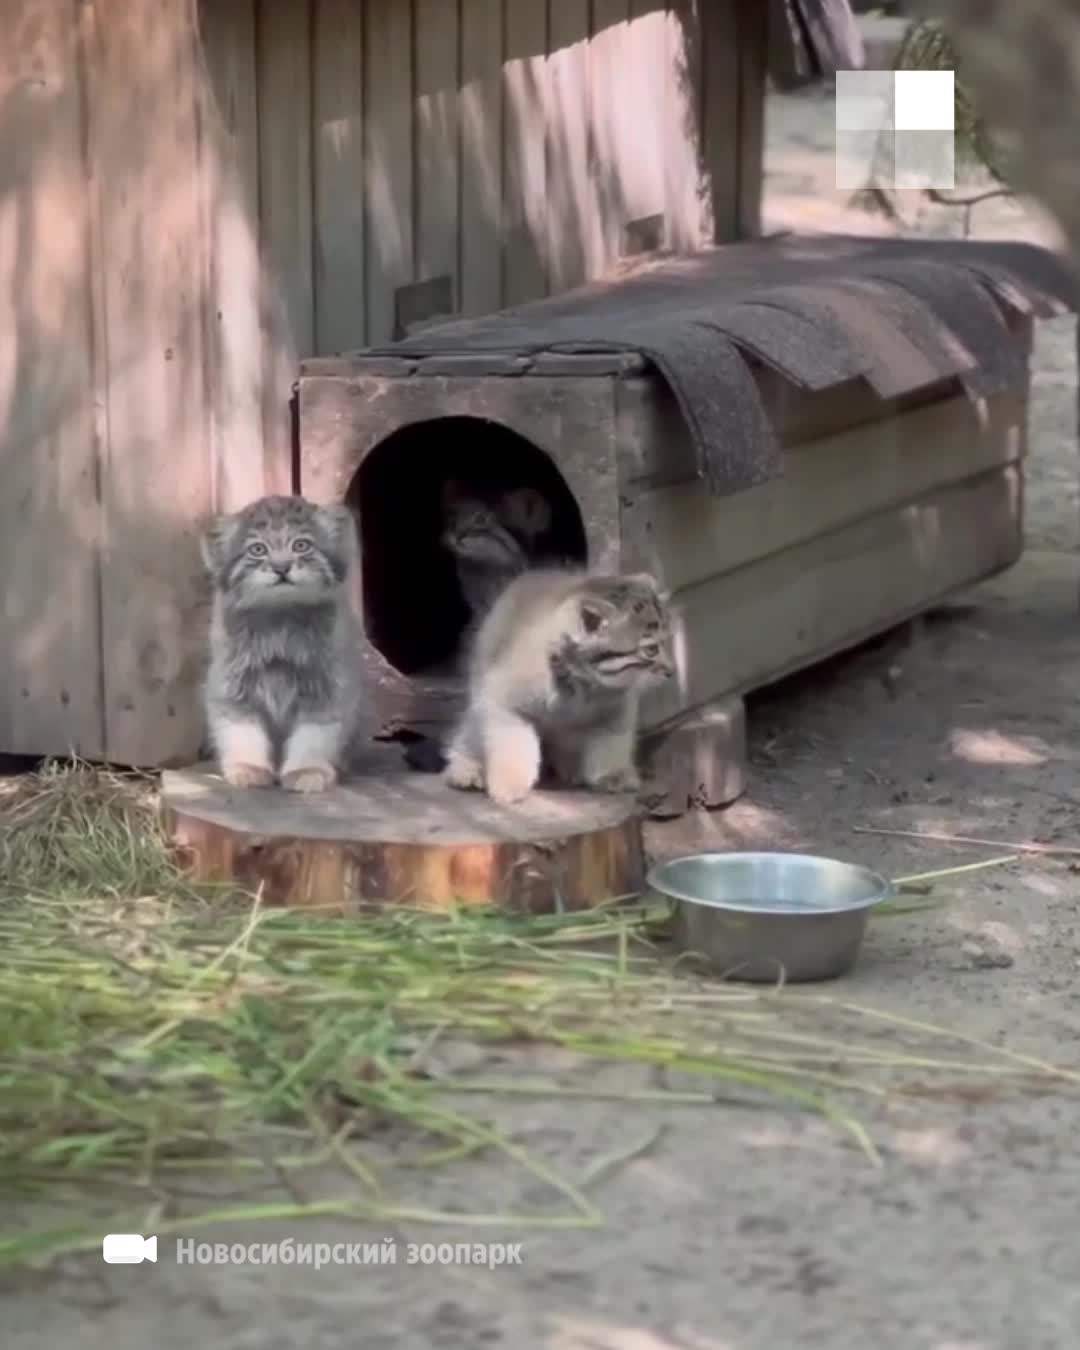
556,673
492,539
280,693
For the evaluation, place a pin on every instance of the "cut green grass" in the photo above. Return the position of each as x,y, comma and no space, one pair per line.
153,1033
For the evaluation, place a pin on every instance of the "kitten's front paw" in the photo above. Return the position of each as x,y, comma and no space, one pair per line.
247,775
509,783
462,771
316,778
618,780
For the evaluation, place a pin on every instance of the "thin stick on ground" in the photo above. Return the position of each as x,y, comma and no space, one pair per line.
917,878
1028,846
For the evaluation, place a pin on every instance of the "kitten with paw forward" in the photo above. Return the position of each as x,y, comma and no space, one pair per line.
281,693
556,673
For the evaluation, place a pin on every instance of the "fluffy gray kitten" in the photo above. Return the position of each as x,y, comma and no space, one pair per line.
556,673
492,539
281,690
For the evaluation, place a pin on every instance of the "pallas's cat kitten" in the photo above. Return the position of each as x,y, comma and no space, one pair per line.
281,693
556,672
493,538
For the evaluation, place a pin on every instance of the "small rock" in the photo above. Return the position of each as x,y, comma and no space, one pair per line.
984,956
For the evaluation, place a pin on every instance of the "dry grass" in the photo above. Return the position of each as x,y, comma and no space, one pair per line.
151,1033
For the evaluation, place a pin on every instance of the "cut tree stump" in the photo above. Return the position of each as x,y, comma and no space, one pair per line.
697,761
405,839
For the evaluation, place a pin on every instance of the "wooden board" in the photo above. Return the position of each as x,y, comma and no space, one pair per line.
525,184
145,87
481,156
571,193
405,839
607,153
283,54
338,148
721,134
570,420
751,626
388,161
752,25
50,660
655,447
686,188
246,463
697,761
437,138
646,72
684,534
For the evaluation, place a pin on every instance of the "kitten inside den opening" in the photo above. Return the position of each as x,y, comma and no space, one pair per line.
449,509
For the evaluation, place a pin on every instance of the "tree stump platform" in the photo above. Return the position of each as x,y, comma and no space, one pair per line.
405,839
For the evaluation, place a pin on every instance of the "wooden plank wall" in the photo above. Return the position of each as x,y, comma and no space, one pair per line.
503,145
50,656
196,194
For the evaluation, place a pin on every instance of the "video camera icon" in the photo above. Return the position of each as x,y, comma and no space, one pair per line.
128,1249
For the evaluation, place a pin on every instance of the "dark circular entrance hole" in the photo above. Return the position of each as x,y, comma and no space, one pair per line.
414,612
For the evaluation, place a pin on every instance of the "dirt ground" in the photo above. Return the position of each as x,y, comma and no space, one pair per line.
748,1230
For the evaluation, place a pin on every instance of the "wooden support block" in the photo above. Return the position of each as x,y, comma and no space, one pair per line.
697,761
405,839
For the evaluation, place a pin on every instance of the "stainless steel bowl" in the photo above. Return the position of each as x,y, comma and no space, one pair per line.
766,916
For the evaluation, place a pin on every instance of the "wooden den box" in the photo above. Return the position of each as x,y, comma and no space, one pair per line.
885,506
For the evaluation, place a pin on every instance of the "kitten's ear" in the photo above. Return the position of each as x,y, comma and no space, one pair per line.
452,493
593,615
648,582
645,579
212,542
528,511
343,526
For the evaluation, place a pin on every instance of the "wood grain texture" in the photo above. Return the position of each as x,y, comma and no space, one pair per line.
338,146
388,161
285,171
438,165
720,115
751,18
524,156
654,447
405,839
684,534
145,86
283,61
481,156
686,188
607,151
699,761
245,464
747,628
570,420
50,656
572,209
641,118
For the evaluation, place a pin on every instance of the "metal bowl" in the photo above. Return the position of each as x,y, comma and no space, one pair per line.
766,916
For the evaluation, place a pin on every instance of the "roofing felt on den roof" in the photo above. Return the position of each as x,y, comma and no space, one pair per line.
823,310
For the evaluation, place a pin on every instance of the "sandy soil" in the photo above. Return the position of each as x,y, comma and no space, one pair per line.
747,1230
